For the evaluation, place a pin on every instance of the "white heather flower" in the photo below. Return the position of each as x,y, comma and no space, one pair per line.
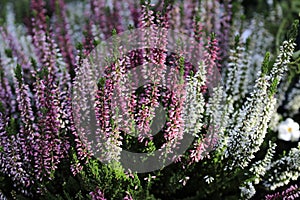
249,132
184,181
293,99
270,2
294,104
247,191
2,196
260,167
194,107
246,34
276,118
288,130
208,179
278,178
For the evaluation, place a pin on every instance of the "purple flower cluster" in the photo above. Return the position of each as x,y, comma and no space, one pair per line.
39,99
97,195
291,193
41,127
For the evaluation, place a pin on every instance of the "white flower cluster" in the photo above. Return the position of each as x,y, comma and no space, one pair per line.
219,116
283,171
276,118
236,69
208,179
256,50
283,59
76,20
260,167
252,122
294,105
247,191
286,52
249,130
293,100
2,197
193,111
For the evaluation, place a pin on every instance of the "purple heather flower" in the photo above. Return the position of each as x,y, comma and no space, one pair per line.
97,195
292,192
62,33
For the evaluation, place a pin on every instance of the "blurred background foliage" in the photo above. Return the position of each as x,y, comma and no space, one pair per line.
290,9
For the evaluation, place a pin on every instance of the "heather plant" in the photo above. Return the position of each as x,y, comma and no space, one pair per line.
149,100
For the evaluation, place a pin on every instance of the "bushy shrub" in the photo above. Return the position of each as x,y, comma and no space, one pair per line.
140,100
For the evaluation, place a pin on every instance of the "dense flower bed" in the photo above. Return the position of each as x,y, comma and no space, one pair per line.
149,100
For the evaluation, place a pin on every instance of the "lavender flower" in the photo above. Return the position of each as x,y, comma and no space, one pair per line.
97,195
292,192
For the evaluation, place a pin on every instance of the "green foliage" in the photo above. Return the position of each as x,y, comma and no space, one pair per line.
2,108
12,127
21,8
18,74
266,64
8,53
293,31
111,179
181,69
